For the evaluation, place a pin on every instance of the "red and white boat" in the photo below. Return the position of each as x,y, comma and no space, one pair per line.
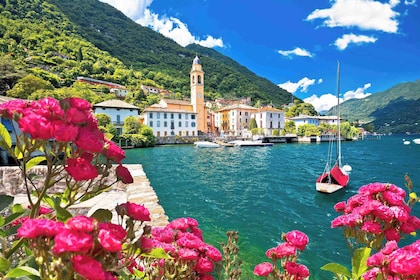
335,176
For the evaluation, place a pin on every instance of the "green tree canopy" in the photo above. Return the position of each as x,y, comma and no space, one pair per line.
28,85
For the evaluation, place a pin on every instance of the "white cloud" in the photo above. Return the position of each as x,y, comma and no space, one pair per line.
296,51
364,14
302,84
170,27
324,102
343,42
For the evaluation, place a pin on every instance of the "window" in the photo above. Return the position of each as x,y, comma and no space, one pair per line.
151,123
172,125
158,124
271,115
172,115
193,117
118,119
158,115
186,123
193,124
151,115
180,124
165,124
246,113
179,116
164,115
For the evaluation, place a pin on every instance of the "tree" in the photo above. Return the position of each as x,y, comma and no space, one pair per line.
131,125
28,85
252,124
301,109
103,119
290,127
9,73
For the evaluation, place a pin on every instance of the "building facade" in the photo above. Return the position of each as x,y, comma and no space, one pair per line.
269,119
118,110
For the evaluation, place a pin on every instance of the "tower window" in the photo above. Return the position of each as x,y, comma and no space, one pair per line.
198,79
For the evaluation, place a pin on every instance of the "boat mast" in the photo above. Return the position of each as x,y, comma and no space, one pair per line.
338,113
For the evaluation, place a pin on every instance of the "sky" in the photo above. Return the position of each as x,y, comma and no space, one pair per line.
296,44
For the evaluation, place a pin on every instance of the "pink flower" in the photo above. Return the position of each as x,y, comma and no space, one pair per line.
81,168
109,241
90,140
392,234
88,267
113,152
33,228
281,251
81,223
11,107
163,234
187,254
372,227
116,230
37,126
146,244
263,269
124,174
189,240
340,206
405,263
297,239
299,270
135,211
204,265
212,253
64,132
72,241
183,223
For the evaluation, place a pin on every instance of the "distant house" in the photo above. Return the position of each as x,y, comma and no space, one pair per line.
118,110
170,118
315,120
269,118
8,124
120,91
234,119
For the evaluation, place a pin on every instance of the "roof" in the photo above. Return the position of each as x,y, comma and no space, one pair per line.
236,107
175,101
116,103
269,109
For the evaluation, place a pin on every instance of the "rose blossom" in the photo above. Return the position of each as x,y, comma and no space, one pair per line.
81,168
90,140
109,241
213,253
204,265
113,152
135,211
187,254
297,239
72,241
263,269
372,227
299,270
81,223
33,228
64,132
88,267
124,174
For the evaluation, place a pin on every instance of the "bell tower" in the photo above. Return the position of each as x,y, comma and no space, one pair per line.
197,94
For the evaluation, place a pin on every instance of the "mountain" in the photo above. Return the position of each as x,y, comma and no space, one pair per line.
395,110
62,39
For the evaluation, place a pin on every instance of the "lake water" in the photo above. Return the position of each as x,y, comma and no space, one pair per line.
264,191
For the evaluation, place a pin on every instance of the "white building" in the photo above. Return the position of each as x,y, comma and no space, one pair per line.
170,118
234,120
269,118
118,110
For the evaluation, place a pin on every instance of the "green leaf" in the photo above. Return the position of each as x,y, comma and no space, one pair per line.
22,271
102,215
157,253
61,213
337,269
35,161
358,261
17,208
5,136
15,216
5,201
4,264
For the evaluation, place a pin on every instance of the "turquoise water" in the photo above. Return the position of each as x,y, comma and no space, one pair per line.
264,191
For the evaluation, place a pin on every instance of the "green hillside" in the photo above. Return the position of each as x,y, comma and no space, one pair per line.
59,40
395,110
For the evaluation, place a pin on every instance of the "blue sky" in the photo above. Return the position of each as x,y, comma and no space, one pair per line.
296,43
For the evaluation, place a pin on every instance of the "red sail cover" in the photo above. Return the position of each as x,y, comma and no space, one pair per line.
337,177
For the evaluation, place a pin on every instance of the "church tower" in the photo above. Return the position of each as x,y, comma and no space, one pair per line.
197,94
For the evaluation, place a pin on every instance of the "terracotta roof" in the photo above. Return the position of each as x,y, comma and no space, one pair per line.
177,102
115,103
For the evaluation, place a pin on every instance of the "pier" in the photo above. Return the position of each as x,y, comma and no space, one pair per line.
140,192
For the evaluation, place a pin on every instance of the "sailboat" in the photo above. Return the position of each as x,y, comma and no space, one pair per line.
335,175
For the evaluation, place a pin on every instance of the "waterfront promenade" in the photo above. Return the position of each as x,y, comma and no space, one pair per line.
140,192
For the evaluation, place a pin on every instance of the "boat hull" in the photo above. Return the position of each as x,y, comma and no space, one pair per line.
416,141
328,187
245,143
206,144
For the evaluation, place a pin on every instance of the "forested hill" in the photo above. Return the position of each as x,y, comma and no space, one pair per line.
62,39
395,110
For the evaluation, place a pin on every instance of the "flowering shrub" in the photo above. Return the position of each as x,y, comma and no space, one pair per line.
375,219
65,136
284,259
